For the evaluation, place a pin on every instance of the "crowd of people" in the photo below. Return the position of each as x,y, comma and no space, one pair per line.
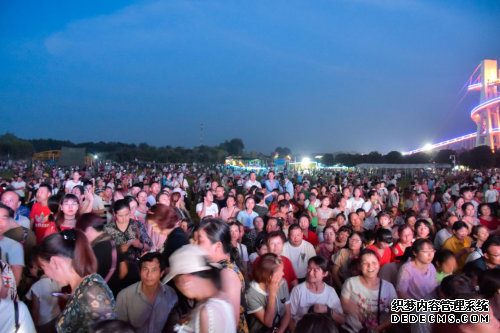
129,248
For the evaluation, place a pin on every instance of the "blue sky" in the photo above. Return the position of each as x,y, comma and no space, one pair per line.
315,76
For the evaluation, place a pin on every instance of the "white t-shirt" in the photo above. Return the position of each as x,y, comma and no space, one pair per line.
299,256
249,184
49,306
242,250
370,219
441,236
252,257
355,205
7,317
302,299
367,299
491,195
17,185
70,184
209,210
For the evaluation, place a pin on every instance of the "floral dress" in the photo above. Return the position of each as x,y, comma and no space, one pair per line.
91,302
242,325
121,237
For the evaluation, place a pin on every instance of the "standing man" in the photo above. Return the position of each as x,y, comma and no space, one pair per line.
40,212
146,305
252,181
155,190
19,187
12,251
12,200
272,184
298,251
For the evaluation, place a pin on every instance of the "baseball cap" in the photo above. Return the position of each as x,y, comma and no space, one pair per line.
188,259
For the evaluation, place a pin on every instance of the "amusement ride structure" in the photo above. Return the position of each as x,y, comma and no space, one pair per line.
485,115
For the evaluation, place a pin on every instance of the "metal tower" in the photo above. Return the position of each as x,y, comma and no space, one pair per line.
201,134
486,113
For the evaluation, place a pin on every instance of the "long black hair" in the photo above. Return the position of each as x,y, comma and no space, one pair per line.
218,231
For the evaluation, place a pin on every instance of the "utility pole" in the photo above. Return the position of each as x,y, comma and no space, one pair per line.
201,134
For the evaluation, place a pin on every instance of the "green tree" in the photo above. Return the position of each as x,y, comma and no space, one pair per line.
282,152
394,157
328,159
443,156
481,157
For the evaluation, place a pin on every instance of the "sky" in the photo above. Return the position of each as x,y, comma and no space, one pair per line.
314,76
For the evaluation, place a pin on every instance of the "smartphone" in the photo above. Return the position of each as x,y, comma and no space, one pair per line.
473,245
59,294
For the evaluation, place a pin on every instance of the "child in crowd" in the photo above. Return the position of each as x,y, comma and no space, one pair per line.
445,263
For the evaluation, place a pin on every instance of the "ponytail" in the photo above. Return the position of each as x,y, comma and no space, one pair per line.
71,244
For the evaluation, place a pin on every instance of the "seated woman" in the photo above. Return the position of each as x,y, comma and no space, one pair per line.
485,218
268,297
327,248
366,299
459,243
342,259
68,259
308,235
197,279
417,277
405,240
314,295
480,234
423,230
343,234
383,240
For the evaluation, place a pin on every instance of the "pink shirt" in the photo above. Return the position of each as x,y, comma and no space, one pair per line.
414,283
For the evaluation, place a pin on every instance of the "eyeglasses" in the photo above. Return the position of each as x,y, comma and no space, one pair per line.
428,251
355,240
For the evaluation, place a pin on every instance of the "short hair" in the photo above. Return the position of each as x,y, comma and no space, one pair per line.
459,225
344,228
384,235
471,270
150,256
493,240
465,189
165,217
47,186
274,234
293,227
456,284
316,322
267,265
119,205
283,203
371,194
319,261
9,210
418,245
366,252
258,197
442,255
139,185
306,216
489,282
391,187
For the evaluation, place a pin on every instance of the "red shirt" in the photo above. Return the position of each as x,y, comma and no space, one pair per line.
386,258
491,225
41,216
312,238
289,272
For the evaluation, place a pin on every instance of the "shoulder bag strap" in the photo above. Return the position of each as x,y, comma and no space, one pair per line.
16,317
378,301
137,229
113,261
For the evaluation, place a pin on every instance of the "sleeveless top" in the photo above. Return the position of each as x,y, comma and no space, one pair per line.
242,325
220,318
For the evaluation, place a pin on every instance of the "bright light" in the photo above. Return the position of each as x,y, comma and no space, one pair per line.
428,146
319,156
306,160
95,156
